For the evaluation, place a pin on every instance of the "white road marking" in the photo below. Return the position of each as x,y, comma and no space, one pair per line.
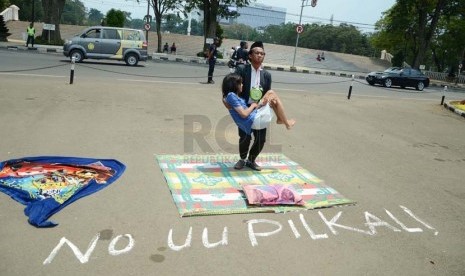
33,75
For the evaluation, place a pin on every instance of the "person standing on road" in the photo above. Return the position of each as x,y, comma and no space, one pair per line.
256,84
30,34
212,55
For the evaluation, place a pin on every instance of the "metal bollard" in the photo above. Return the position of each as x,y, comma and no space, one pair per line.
443,94
350,89
71,76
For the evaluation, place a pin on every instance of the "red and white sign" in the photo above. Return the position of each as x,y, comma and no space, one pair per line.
299,29
147,26
313,3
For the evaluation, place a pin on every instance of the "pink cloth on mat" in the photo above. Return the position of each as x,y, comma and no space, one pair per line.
275,194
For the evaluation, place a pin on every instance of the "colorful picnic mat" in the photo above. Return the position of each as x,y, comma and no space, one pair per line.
209,184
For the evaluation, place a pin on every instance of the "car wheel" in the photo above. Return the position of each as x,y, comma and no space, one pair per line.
420,86
131,59
388,82
77,55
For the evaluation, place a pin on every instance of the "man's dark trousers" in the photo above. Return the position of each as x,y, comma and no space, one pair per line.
30,39
258,143
211,68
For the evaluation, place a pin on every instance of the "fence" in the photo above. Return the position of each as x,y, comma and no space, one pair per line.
443,76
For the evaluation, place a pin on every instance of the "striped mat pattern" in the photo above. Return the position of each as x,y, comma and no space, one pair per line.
209,184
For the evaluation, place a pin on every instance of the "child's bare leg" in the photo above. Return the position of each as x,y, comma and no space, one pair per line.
272,98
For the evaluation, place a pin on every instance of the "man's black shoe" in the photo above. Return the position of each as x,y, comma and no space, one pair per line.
239,165
211,82
254,166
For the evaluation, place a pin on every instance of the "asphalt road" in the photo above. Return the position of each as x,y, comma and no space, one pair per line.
396,152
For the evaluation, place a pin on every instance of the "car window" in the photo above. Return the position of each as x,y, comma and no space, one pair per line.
416,73
131,35
406,72
111,34
94,33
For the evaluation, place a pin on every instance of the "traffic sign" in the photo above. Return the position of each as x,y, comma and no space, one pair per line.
147,26
460,66
299,29
313,3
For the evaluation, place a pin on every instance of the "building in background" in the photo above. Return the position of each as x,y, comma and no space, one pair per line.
257,16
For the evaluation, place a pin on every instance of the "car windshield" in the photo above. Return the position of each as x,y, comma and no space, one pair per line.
390,69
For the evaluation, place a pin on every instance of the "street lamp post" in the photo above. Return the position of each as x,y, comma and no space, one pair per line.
147,22
313,4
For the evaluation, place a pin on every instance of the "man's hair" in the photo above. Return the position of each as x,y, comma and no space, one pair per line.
230,83
257,44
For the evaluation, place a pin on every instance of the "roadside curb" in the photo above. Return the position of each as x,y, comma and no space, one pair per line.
452,108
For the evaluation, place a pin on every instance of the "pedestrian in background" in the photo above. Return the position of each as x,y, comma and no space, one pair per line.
173,48
30,34
212,55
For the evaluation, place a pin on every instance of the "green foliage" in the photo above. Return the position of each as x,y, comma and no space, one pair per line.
240,32
74,13
4,4
135,24
427,32
115,18
171,22
94,17
219,34
25,10
4,32
343,38
196,27
212,9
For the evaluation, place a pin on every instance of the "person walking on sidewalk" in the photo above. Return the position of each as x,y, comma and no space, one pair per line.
212,55
30,35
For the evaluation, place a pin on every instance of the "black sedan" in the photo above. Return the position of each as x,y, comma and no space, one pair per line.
403,77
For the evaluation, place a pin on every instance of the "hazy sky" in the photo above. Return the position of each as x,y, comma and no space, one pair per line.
352,11
357,11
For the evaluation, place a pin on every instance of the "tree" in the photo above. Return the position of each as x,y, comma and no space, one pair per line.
52,14
4,4
4,32
74,13
160,7
212,10
115,18
135,24
240,31
413,25
25,9
94,17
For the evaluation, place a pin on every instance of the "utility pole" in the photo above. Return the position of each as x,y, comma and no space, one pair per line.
313,4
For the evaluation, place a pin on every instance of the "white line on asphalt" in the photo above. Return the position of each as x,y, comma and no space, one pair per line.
32,75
